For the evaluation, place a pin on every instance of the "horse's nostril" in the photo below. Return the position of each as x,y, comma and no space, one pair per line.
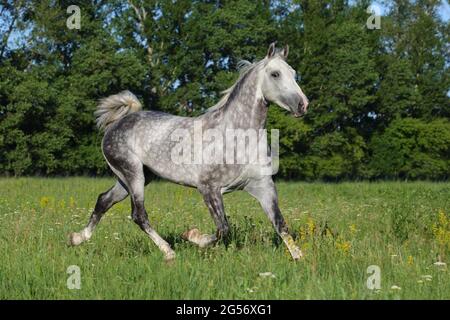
304,105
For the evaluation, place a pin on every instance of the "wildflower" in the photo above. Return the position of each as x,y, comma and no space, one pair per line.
311,226
302,234
267,275
44,202
440,264
427,277
343,246
353,229
441,230
410,260
72,202
394,287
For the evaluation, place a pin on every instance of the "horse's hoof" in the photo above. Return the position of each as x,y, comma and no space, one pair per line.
75,239
202,240
296,254
191,235
207,240
169,258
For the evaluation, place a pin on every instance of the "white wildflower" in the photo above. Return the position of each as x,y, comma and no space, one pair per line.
267,275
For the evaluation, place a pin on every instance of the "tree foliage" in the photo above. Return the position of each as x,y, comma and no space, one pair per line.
379,98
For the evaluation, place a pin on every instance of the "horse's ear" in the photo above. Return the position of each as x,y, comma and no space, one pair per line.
285,51
271,50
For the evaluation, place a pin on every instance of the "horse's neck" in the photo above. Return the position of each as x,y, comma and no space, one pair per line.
247,109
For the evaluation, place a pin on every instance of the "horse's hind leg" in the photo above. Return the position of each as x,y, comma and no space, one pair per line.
214,202
265,192
105,201
132,172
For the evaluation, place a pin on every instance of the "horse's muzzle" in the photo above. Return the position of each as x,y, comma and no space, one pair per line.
302,107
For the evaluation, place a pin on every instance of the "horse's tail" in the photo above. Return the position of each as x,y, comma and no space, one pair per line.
116,107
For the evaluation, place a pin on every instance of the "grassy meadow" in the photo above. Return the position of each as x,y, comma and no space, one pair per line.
403,228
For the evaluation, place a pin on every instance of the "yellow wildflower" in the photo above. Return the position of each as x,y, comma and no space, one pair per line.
410,260
353,229
311,226
44,202
302,234
343,246
72,202
441,230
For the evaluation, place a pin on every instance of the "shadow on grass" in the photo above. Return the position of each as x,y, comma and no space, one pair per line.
244,234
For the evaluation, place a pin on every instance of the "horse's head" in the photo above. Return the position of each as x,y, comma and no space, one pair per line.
279,85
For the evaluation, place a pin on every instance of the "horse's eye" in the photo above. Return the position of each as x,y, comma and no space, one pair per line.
275,74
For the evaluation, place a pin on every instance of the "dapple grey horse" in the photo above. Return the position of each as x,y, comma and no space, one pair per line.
136,141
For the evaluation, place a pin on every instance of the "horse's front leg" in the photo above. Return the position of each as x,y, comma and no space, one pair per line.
265,192
214,201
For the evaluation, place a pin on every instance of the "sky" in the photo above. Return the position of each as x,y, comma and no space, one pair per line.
444,10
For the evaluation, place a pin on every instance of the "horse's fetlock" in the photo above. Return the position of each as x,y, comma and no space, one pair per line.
140,220
226,231
223,232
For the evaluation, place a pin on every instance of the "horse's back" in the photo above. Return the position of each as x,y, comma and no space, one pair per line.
152,137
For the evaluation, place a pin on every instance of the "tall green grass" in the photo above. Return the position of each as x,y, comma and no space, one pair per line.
404,228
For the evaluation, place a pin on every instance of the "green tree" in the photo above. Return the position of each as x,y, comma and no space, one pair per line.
47,120
370,90
412,149
338,74
416,55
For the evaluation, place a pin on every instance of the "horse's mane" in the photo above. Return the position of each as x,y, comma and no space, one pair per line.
244,67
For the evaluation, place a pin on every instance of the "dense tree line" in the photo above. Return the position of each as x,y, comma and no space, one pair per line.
380,101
